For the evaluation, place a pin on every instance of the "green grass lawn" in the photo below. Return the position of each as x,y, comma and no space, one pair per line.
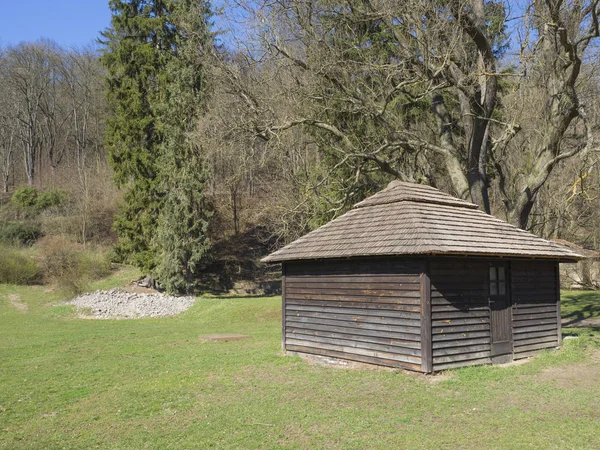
577,307
152,383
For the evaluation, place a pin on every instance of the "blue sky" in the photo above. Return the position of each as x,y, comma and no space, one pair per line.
71,23
68,22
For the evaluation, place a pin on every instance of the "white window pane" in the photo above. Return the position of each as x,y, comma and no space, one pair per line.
492,273
501,274
493,288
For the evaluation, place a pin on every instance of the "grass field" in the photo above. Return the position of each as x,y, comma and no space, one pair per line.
152,383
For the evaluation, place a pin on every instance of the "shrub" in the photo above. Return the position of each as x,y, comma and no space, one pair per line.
49,199
19,233
97,227
16,267
69,266
25,196
67,226
96,264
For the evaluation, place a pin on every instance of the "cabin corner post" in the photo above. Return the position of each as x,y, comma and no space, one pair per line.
283,306
426,333
558,317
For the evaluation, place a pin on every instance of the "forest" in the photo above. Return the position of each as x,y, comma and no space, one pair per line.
194,138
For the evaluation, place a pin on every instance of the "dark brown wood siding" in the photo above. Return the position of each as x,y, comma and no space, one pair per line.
361,310
460,313
536,307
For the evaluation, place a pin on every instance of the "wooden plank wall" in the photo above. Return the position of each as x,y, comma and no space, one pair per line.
536,307
361,310
460,313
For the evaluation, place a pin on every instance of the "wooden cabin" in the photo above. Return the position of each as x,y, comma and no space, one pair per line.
417,279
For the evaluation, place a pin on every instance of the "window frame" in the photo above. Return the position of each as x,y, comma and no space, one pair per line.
497,280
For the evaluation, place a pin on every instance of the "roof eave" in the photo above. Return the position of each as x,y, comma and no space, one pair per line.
274,259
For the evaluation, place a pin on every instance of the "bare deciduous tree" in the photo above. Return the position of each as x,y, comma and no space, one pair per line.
427,90
26,72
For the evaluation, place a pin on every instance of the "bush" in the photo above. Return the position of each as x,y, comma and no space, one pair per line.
49,199
30,200
69,266
25,197
19,233
16,267
97,226
66,226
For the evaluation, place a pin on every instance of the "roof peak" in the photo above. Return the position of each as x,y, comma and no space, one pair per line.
402,191
396,183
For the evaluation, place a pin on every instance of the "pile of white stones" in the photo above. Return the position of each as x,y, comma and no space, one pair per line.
118,304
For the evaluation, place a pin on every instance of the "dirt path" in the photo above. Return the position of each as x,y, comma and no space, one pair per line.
575,374
15,302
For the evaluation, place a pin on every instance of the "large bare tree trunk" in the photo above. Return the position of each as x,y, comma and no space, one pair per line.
327,64
560,62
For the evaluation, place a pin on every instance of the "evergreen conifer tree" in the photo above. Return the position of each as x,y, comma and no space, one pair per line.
185,216
153,53
137,47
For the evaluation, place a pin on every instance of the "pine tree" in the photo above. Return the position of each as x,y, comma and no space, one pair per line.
153,53
137,47
185,217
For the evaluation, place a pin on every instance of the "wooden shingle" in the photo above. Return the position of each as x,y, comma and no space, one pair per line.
413,219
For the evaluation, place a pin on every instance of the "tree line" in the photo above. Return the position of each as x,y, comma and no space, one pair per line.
52,111
492,101
278,124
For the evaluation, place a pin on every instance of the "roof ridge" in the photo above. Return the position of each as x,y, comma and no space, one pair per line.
409,192
457,203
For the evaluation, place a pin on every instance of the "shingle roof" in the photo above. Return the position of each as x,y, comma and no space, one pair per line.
414,219
586,252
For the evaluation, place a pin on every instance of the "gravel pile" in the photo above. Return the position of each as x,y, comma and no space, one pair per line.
115,304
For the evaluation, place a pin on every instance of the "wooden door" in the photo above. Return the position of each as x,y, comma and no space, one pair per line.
500,310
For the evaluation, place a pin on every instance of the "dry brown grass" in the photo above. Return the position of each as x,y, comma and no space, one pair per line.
69,265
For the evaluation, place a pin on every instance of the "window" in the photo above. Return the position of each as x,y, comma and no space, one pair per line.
497,280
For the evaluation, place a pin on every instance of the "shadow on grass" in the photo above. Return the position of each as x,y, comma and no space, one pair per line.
579,306
581,331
